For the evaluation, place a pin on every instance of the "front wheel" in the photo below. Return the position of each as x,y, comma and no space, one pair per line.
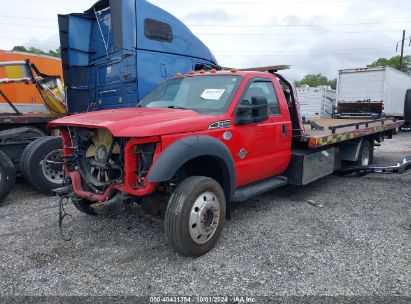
195,216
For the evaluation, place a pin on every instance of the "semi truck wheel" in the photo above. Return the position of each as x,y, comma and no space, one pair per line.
83,205
7,176
41,165
195,216
21,134
23,160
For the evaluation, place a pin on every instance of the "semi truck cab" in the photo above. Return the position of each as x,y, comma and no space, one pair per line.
118,51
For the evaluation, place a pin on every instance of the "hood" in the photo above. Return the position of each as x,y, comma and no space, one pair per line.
139,122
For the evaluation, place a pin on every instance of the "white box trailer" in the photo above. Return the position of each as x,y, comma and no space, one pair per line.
373,91
316,102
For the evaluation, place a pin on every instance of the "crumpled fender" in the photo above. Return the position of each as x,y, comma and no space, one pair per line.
191,147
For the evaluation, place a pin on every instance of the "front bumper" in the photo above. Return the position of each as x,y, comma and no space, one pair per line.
79,190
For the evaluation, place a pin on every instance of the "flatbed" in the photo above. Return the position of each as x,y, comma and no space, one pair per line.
38,120
327,131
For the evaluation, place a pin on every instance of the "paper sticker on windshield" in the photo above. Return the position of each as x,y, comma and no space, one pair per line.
212,94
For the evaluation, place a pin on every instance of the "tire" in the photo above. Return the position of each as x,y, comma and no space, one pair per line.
396,131
366,152
21,134
196,199
23,160
7,176
43,175
83,205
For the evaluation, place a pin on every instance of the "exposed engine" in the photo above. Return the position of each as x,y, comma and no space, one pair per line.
100,158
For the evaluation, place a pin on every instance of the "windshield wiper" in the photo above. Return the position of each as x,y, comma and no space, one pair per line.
177,107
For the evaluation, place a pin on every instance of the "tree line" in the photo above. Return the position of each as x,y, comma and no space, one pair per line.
34,50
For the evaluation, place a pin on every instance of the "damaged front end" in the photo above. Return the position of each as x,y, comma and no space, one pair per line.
104,172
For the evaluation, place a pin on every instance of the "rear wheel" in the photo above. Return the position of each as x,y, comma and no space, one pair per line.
195,216
366,154
7,176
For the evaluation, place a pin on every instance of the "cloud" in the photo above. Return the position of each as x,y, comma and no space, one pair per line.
260,33
351,40
218,16
50,43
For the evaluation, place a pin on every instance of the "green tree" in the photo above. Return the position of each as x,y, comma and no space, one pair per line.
333,83
315,80
394,62
34,50
20,48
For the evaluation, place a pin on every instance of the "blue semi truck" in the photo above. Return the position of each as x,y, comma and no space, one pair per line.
113,55
116,52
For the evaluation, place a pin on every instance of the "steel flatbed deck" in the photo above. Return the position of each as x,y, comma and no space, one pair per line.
326,131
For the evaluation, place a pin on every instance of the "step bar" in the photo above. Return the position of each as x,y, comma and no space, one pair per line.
247,192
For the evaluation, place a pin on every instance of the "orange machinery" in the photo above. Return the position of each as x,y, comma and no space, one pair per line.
25,94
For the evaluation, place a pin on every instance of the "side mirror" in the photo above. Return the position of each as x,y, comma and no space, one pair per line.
256,112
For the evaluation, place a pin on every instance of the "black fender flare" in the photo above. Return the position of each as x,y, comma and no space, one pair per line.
191,147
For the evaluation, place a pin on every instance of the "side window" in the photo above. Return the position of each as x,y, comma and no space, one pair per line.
157,30
266,89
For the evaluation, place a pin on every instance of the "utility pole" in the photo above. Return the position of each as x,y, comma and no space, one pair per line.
402,49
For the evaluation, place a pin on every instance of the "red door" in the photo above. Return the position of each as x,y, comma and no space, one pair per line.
262,150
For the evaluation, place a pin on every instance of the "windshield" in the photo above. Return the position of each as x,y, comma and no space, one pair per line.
203,94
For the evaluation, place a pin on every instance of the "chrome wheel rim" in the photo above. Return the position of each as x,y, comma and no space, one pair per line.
365,159
204,217
52,166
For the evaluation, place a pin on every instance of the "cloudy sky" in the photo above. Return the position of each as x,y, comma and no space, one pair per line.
313,36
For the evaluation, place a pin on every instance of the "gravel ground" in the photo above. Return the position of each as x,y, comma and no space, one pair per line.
356,241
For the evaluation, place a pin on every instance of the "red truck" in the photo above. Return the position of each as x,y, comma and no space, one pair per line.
201,141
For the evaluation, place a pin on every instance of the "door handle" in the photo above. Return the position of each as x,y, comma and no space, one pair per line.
285,130
108,92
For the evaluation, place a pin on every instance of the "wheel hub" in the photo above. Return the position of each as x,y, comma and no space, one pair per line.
52,167
204,217
208,218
